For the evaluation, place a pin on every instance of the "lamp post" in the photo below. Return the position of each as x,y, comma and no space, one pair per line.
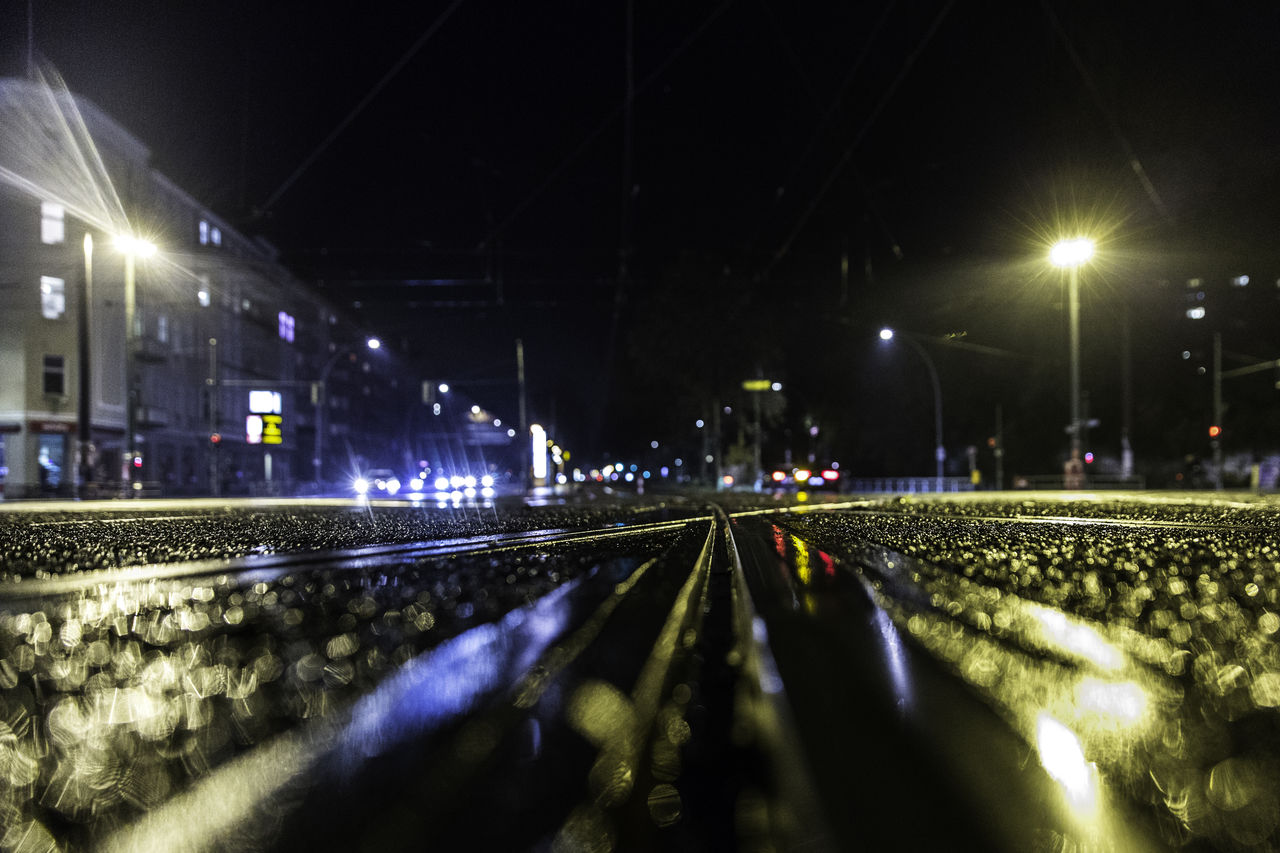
1070,255
84,426
939,452
319,390
132,248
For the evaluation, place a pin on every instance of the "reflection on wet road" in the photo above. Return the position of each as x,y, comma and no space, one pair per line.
1029,675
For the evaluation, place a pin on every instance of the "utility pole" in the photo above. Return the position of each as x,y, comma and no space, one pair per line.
215,440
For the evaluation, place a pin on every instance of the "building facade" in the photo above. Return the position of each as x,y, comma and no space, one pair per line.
232,356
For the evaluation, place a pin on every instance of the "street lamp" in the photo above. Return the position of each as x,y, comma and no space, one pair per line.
132,248
1070,255
939,452
84,426
317,460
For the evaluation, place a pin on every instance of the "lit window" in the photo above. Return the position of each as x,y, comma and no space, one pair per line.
204,233
162,329
53,297
203,296
55,375
286,326
1196,313
215,236
53,227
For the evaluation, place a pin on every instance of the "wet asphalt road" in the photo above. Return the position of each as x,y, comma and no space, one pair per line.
1010,672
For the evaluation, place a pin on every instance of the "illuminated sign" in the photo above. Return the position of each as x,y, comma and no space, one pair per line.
539,448
265,402
264,429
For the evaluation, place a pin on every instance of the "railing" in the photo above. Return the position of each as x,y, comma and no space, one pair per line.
908,485
1091,482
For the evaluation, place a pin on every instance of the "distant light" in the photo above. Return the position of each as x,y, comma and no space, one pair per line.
1240,281
497,422
1088,458
886,334
654,445
803,473
456,481
699,423
778,476
475,410
679,461
1215,431
393,485
416,484
374,343
435,408
1196,313
728,410
727,479
361,485
442,484
511,433
487,481
469,481
1186,354
830,475
710,458
777,386
664,471
1071,253
443,388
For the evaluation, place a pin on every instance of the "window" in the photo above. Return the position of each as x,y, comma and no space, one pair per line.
53,227
55,375
215,236
53,297
204,232
286,326
162,329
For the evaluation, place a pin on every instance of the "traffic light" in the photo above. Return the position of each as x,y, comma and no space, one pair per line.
215,439
1215,431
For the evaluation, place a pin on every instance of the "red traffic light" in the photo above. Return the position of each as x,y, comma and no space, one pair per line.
1215,431
215,438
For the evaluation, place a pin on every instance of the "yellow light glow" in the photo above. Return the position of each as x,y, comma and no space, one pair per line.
1077,638
1071,253
135,246
1063,758
1123,703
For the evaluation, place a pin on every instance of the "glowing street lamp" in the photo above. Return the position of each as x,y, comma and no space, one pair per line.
319,393
939,452
1070,255
132,248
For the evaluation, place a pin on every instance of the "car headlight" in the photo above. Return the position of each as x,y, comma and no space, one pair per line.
361,485
442,484
487,481
392,486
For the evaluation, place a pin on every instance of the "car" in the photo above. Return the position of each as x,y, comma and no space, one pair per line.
379,482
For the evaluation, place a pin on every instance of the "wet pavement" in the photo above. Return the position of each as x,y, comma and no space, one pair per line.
1022,672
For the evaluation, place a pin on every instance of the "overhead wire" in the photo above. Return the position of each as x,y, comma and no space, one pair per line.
1134,163
870,121
359,107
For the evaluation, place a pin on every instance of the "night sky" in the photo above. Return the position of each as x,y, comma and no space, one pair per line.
459,170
